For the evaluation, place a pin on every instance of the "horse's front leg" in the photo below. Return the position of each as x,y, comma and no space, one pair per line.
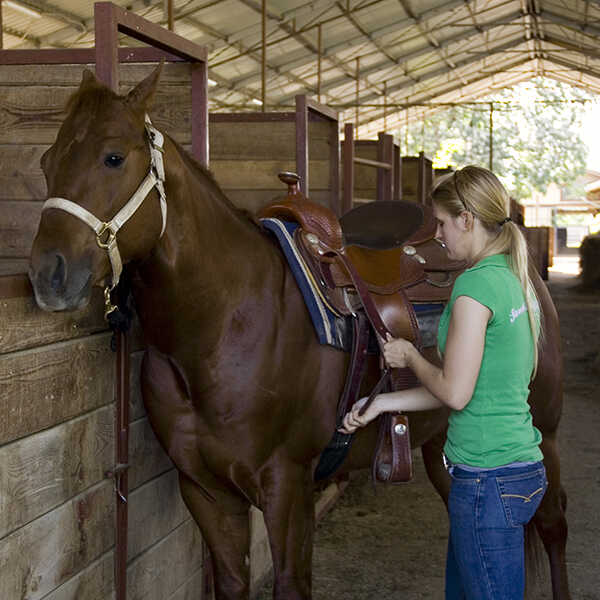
288,509
225,526
550,520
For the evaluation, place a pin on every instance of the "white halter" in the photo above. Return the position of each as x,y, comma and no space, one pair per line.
106,233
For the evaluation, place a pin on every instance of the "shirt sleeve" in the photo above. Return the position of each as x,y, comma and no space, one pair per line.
476,285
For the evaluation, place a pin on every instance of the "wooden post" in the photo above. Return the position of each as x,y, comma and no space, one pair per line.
385,105
264,56
491,142
200,112
107,45
348,159
357,91
318,64
385,154
302,142
170,22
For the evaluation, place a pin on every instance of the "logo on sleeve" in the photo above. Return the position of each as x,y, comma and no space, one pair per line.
515,312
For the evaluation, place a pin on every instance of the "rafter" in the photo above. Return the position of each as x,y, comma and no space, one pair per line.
414,54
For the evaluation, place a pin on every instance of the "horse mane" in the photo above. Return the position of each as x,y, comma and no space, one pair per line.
191,162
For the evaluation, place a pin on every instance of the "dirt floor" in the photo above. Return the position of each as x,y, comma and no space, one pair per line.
391,544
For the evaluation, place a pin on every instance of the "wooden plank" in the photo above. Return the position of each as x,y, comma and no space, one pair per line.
45,386
262,175
155,509
95,582
146,456
251,141
44,470
136,403
39,557
18,226
33,114
21,177
24,325
191,589
13,266
158,573
262,141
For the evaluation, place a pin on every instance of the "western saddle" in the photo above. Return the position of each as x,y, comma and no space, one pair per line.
378,261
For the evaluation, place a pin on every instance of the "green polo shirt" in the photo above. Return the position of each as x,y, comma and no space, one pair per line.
495,428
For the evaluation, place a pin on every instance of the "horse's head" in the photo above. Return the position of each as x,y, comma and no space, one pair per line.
95,166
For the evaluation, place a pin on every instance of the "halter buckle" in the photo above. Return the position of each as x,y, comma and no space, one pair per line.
110,240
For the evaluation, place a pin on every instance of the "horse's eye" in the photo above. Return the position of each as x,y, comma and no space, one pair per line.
113,160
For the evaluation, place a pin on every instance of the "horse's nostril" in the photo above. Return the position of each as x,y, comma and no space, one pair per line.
59,276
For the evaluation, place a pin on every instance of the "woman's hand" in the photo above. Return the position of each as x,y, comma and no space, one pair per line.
352,421
397,352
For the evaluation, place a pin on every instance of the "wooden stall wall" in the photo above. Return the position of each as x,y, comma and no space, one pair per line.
57,391
248,150
539,243
417,178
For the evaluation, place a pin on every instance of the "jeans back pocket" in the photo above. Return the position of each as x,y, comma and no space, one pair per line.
521,495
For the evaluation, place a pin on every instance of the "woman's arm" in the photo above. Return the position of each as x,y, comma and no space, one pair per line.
452,385
413,399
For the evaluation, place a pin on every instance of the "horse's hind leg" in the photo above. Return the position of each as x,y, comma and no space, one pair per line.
432,451
225,527
289,516
550,520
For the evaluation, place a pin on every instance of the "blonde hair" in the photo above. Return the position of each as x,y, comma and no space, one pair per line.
481,193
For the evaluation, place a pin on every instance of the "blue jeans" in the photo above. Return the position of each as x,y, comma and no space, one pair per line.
488,511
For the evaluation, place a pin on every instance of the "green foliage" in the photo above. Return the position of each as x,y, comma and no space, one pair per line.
536,135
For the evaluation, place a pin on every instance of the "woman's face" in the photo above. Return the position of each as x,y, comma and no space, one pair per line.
452,232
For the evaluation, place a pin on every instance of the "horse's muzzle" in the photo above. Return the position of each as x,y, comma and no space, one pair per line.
57,285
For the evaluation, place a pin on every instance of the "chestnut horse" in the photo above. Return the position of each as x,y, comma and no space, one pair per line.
237,388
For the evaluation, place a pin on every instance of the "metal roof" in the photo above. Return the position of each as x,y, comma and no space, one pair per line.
383,55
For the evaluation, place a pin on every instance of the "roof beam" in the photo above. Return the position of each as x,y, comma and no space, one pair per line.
301,39
447,70
455,87
413,55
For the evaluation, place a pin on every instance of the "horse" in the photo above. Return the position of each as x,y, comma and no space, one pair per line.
237,388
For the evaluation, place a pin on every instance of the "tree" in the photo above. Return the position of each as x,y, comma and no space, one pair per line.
536,135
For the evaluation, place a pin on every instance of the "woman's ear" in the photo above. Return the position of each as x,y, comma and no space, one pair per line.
467,220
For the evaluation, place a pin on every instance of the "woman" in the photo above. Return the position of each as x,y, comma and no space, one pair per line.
487,339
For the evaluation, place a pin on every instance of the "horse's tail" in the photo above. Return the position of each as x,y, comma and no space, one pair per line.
533,557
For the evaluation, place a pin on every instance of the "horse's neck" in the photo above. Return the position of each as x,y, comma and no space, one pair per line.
208,257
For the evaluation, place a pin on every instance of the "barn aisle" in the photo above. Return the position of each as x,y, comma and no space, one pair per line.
390,543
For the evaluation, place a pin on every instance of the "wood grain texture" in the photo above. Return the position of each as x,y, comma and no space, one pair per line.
21,176
155,509
158,572
44,470
95,582
23,325
146,456
45,386
18,225
41,556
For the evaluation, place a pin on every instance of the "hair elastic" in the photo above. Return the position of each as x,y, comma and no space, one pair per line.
504,221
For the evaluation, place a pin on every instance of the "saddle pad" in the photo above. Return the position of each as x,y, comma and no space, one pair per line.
331,329
428,317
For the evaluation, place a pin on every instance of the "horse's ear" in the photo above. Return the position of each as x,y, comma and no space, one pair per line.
140,97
